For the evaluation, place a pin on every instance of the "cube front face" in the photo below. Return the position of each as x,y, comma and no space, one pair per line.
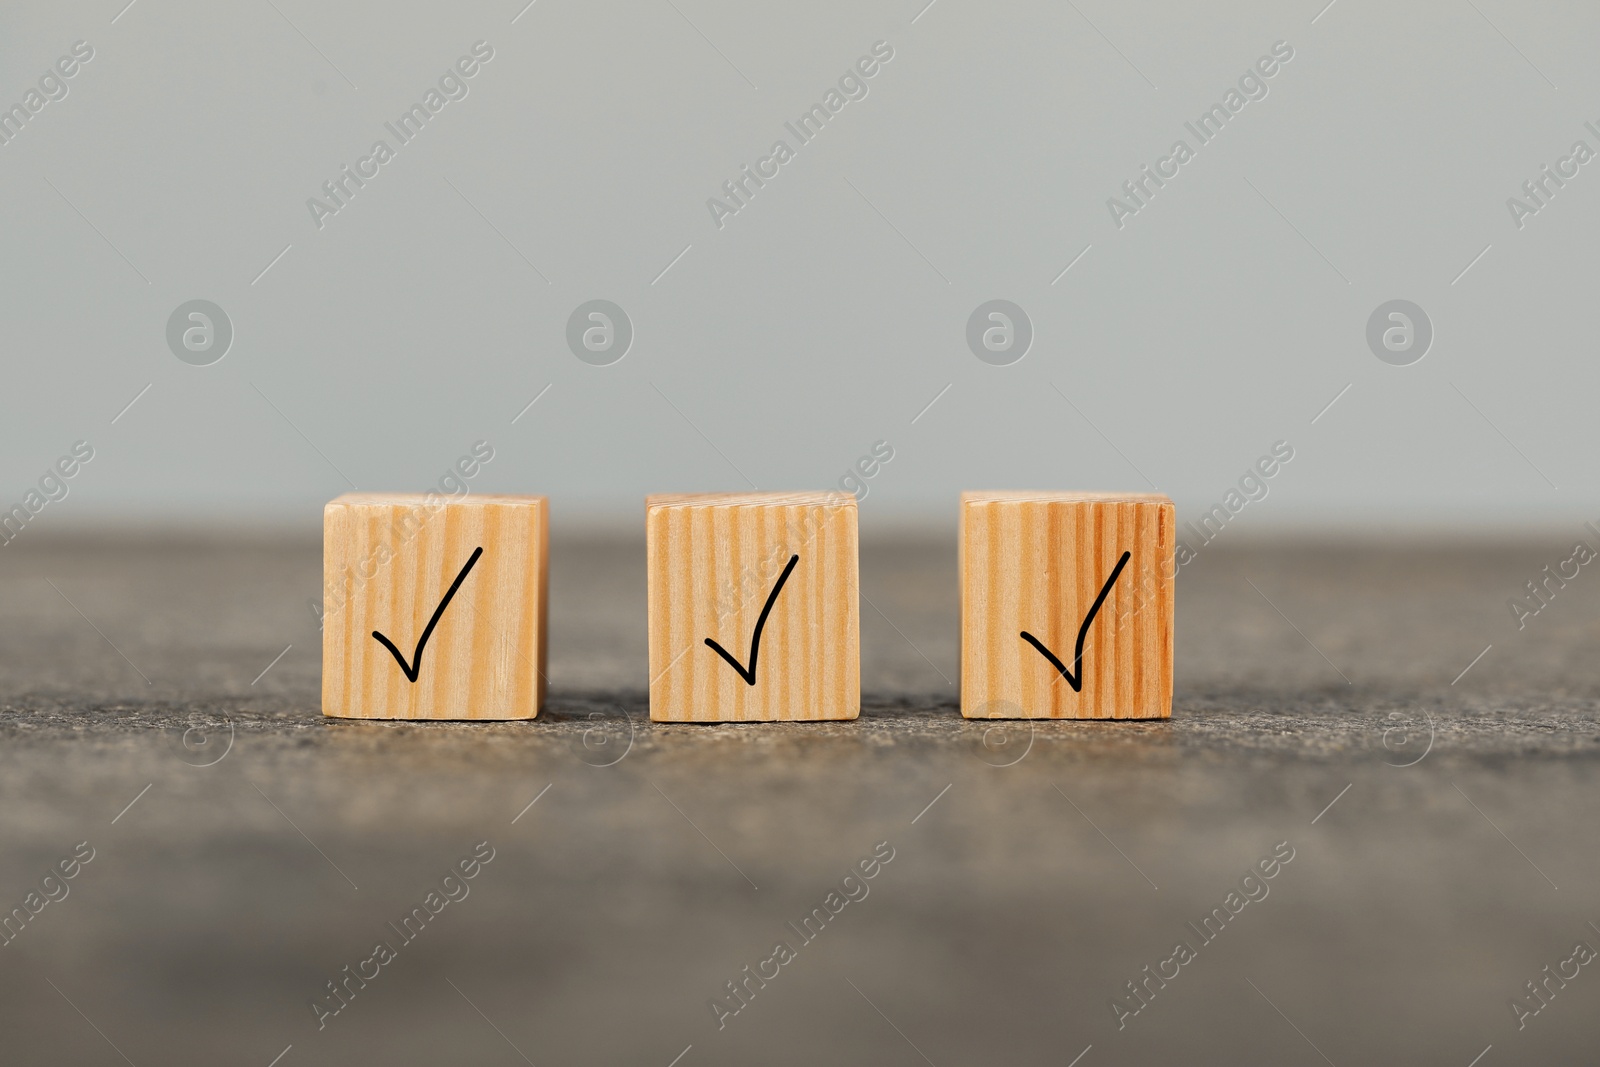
715,562
389,563
1036,563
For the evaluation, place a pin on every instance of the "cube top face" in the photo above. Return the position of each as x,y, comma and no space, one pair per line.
1033,567
772,580
804,498
1023,496
436,500
459,588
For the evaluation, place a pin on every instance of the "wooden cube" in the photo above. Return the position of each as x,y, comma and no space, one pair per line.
434,608
754,607
1066,605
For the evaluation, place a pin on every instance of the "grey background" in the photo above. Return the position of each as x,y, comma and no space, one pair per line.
827,314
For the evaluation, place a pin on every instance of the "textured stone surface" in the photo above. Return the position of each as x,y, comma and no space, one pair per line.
1014,909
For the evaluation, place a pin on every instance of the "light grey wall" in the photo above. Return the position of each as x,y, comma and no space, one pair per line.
832,308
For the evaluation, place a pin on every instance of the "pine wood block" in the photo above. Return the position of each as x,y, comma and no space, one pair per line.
1033,566
772,579
458,587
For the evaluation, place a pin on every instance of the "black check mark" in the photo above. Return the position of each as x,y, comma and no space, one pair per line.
413,669
1076,680
749,676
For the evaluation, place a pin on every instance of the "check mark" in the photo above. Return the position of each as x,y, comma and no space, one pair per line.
749,676
1076,680
413,669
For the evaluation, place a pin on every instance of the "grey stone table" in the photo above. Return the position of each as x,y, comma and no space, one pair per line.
1443,831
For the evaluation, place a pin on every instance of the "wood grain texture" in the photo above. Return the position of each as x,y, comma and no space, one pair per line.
389,560
1036,562
713,561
